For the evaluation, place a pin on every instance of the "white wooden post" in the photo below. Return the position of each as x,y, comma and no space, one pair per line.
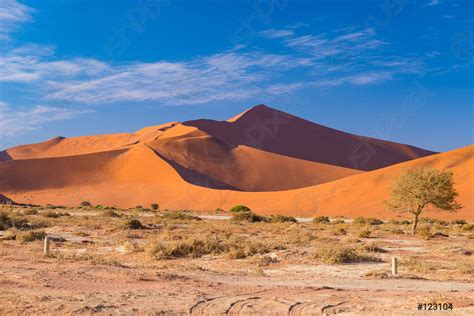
46,245
394,266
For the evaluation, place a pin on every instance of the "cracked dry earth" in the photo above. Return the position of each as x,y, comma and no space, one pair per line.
32,284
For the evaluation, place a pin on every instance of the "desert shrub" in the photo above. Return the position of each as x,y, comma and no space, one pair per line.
29,236
240,209
468,227
364,234
10,234
282,219
180,215
138,207
465,267
416,264
459,222
8,220
196,247
424,231
248,217
155,207
339,231
30,211
133,224
189,248
333,254
53,214
99,207
321,219
367,221
86,204
373,247
338,221
110,213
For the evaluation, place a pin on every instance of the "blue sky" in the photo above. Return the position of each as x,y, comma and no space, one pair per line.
399,70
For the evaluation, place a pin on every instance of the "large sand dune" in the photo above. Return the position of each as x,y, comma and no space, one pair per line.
181,166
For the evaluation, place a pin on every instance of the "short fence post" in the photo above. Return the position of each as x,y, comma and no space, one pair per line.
394,266
46,246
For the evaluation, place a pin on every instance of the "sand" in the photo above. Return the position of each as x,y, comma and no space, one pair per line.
300,169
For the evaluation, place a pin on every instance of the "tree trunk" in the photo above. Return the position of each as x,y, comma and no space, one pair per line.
415,224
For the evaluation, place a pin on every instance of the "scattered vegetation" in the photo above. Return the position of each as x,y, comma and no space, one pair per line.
53,214
240,209
133,224
334,254
155,207
364,234
29,236
248,217
86,204
367,221
208,245
321,220
180,215
282,219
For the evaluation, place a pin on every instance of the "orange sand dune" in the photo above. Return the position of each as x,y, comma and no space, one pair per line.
62,147
139,177
241,167
204,165
281,133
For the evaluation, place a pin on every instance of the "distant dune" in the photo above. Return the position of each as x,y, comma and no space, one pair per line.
298,168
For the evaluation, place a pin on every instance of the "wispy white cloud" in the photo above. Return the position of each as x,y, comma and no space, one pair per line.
13,15
432,3
272,33
34,62
13,122
346,56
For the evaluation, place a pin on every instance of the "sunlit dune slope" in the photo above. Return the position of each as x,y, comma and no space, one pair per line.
139,177
278,132
241,167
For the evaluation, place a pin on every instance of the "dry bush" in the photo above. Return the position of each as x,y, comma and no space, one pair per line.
10,234
247,217
416,264
373,247
364,233
338,221
10,220
196,247
424,231
110,213
30,211
53,214
339,231
282,219
29,236
465,267
133,224
335,253
367,221
321,220
180,215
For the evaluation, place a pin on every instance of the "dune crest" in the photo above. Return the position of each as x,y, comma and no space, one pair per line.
204,165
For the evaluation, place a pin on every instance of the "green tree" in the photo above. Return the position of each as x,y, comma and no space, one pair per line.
423,189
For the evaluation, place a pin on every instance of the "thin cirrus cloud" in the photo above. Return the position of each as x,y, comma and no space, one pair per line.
344,56
31,118
12,16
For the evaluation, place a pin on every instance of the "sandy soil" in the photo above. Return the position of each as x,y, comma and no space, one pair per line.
119,280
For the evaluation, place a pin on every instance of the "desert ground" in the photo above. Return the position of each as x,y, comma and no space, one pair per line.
111,261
